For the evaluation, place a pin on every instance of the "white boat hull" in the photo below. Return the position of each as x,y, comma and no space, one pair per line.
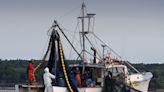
141,81
142,86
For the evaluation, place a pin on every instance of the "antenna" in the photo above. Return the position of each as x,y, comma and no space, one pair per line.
84,32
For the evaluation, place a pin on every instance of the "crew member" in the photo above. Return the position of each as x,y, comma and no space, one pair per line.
78,77
30,71
47,80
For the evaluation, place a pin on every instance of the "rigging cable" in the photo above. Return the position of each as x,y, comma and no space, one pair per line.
98,50
107,46
74,37
91,44
93,55
71,34
128,63
93,24
80,38
67,39
69,12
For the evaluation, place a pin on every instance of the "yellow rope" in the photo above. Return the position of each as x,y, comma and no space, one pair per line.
63,66
35,69
62,62
42,61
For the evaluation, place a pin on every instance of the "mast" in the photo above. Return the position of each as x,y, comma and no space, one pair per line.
83,36
84,32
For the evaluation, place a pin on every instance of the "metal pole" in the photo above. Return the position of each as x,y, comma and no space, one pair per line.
83,36
103,50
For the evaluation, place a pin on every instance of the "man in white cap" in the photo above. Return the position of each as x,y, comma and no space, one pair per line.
47,80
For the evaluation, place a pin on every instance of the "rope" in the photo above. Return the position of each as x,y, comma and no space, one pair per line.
42,61
63,67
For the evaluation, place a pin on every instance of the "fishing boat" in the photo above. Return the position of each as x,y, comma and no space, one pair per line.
101,74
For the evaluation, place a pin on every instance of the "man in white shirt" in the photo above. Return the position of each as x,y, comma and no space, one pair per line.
47,80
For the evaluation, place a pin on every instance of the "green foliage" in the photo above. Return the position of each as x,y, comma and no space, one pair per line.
14,71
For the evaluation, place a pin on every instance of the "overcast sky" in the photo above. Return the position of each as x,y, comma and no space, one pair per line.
133,28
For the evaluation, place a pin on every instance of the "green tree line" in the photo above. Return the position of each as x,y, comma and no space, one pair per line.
15,72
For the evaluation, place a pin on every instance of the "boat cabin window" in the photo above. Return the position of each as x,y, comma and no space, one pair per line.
116,70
